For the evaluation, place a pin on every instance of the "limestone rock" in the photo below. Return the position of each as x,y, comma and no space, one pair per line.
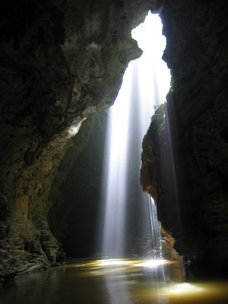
61,61
197,116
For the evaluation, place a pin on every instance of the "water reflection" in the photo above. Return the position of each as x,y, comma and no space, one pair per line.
117,288
120,282
120,286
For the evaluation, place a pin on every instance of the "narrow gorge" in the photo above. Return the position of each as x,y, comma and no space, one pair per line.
62,64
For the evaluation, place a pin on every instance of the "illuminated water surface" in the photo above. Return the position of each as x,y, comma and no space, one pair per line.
117,281
120,281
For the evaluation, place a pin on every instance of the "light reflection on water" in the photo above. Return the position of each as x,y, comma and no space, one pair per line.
117,282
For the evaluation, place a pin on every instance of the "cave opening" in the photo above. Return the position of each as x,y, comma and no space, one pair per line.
61,63
127,225
114,146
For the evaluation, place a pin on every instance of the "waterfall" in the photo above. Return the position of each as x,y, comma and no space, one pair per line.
154,248
124,210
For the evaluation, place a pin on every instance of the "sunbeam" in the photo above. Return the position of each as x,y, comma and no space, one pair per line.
145,85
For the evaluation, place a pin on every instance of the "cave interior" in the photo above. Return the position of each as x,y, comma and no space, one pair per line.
62,63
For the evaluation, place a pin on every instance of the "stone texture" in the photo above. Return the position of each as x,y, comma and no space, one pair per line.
60,62
196,121
75,191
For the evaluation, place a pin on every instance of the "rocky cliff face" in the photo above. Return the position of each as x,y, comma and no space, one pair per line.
75,193
192,128
60,62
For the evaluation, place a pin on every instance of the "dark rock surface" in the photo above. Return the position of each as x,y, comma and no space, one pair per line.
76,190
60,62
192,192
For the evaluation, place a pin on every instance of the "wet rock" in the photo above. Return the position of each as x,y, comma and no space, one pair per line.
61,61
197,118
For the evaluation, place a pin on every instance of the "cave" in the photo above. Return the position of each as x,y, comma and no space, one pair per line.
62,64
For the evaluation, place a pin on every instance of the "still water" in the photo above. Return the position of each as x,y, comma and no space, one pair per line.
113,282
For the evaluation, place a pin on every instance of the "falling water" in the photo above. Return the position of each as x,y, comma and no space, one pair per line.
154,247
145,84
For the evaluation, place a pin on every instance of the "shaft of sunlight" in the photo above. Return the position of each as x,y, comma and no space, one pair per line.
145,85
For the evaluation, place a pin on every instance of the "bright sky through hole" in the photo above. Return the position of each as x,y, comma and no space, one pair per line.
149,35
150,71
145,84
153,73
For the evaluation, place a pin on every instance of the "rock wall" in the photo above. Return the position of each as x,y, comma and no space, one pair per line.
61,61
76,190
190,134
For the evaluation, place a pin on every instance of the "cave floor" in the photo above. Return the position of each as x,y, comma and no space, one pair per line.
113,282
